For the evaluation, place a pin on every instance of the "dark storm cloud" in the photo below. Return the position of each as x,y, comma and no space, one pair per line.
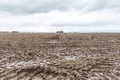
43,6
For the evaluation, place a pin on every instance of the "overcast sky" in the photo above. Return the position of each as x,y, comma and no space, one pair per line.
55,15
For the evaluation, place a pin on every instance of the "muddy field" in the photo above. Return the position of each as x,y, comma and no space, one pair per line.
55,56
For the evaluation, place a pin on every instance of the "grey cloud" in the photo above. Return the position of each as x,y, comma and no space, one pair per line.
97,23
33,6
42,6
102,4
98,5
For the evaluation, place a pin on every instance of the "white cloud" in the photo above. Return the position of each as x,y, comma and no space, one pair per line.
67,15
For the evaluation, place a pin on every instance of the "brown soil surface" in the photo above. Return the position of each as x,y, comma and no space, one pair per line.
59,56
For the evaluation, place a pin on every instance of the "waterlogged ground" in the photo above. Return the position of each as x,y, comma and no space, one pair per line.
73,56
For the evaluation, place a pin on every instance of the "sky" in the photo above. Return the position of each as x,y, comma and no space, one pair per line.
60,15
